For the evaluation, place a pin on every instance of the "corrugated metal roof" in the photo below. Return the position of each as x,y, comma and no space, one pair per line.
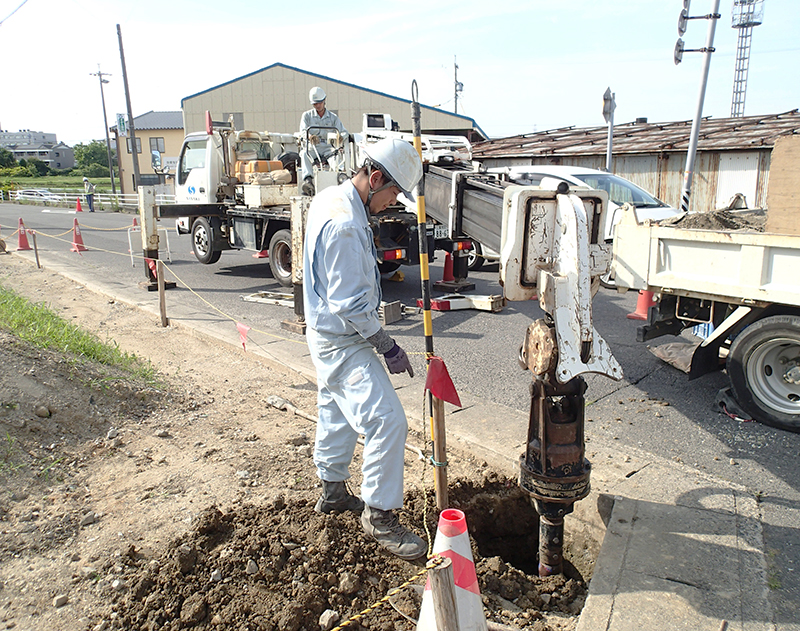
721,134
158,120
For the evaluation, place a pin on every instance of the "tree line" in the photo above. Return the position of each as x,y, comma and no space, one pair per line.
91,160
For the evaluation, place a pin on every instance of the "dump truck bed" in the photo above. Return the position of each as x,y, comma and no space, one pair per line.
746,268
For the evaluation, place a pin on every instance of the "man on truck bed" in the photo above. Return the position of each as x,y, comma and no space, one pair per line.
315,121
341,295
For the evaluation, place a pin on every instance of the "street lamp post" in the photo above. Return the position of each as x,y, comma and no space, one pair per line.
100,75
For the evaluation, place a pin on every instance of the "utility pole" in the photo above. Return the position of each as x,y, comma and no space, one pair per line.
131,128
457,86
609,105
100,76
706,50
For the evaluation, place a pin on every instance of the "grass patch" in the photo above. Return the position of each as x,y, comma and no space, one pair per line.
37,324
8,453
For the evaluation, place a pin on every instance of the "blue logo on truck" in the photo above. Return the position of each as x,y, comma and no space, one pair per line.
191,190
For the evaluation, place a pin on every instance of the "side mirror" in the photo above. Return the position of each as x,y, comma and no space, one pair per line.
155,160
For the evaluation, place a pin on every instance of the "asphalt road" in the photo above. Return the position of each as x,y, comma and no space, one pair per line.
480,349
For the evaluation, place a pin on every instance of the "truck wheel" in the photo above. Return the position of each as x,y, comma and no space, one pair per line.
203,242
387,267
607,281
474,259
280,257
764,370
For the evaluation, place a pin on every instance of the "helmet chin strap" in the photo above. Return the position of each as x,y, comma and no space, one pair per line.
377,190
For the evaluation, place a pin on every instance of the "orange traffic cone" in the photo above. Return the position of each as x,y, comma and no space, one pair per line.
447,274
135,223
77,239
78,208
643,304
22,237
452,541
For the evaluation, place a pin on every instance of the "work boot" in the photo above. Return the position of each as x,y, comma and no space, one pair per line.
337,497
384,527
308,187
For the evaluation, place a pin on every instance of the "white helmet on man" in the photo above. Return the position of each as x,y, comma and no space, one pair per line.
316,95
398,161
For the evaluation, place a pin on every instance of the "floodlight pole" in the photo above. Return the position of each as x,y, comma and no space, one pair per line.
100,76
695,134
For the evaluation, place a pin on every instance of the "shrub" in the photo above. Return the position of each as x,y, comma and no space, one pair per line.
94,170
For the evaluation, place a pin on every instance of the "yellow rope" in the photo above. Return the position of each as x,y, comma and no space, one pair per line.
382,601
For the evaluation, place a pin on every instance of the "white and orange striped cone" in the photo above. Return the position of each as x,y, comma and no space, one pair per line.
452,541
77,239
22,237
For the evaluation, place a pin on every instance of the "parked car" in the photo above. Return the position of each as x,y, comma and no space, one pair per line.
620,191
41,195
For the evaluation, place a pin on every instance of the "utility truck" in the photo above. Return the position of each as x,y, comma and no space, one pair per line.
744,284
234,189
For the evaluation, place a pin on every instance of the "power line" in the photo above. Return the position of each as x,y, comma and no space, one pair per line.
13,12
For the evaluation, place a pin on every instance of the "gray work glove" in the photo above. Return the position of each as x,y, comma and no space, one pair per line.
397,361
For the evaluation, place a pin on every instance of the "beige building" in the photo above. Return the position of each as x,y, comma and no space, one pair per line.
155,131
274,98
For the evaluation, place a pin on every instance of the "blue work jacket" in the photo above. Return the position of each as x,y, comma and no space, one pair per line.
341,281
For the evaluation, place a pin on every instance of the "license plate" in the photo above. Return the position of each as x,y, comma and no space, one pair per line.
440,231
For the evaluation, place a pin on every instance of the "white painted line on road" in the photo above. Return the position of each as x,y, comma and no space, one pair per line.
60,212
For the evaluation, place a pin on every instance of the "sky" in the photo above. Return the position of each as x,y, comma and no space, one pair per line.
525,65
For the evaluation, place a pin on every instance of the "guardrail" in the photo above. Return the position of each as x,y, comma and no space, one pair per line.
68,197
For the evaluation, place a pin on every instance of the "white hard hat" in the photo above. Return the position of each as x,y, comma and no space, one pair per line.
398,160
85,179
316,95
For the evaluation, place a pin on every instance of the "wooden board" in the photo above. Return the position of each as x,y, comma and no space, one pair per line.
783,195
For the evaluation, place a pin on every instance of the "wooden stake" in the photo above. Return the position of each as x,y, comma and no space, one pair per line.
443,590
35,248
162,298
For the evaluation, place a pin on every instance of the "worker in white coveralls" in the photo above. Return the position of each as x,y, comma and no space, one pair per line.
341,294
317,121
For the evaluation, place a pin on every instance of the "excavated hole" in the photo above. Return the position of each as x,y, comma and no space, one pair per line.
503,523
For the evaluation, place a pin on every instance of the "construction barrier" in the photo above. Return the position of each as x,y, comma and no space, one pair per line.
643,304
22,237
452,541
77,238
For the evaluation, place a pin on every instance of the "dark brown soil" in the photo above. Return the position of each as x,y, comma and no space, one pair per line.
190,505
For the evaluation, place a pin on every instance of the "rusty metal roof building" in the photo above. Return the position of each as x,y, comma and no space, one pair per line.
720,134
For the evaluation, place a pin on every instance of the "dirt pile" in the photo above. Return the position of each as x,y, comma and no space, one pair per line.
728,220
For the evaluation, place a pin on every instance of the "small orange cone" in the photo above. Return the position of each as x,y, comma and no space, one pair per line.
77,239
452,541
135,223
264,254
643,304
447,274
22,238
78,208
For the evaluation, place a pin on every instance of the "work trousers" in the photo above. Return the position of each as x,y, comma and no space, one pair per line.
322,151
356,397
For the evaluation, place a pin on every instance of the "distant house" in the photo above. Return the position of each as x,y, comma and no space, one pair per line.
55,156
161,132
26,137
733,155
